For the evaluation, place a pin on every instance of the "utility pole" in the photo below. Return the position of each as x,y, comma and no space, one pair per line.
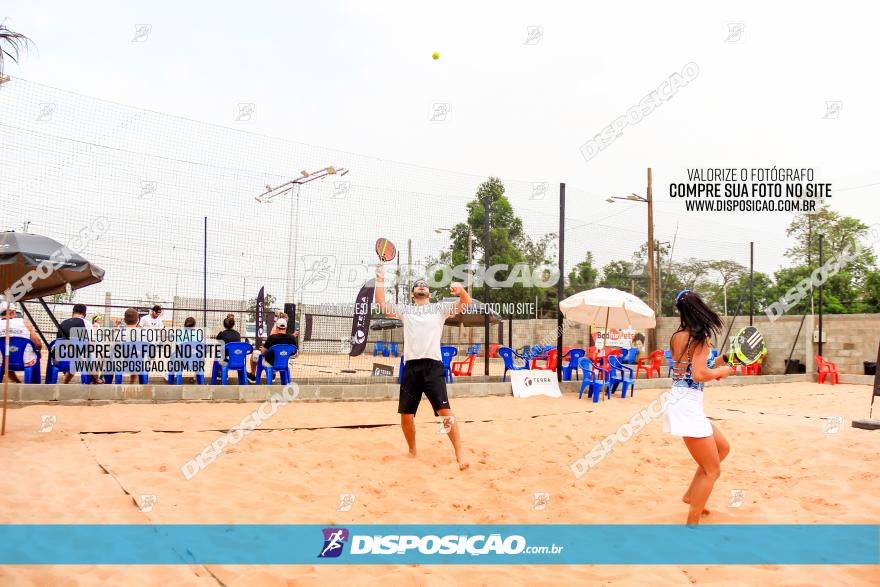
652,281
470,260
821,261
486,297
659,284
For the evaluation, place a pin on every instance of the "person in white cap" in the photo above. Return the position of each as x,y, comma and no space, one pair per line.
20,328
152,319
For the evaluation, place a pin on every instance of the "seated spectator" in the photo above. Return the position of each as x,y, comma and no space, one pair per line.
130,320
277,336
18,327
152,319
77,320
229,333
183,339
97,321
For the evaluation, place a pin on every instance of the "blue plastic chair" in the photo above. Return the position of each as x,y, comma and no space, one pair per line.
620,374
630,356
447,352
378,347
573,356
474,349
281,355
53,368
667,354
237,353
508,355
143,377
400,371
589,379
17,344
394,349
176,377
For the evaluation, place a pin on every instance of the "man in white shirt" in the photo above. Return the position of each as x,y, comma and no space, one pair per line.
18,327
424,371
152,320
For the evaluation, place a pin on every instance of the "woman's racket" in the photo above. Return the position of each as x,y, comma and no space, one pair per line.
385,249
746,348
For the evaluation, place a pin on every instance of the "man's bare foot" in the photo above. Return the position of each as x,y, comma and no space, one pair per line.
412,453
462,465
687,499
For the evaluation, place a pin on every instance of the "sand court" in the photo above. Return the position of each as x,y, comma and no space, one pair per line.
787,465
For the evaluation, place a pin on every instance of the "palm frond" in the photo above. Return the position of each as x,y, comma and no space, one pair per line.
12,44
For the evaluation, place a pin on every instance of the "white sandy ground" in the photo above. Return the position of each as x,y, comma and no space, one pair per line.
791,470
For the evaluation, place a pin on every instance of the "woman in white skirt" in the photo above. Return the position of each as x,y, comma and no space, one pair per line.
684,415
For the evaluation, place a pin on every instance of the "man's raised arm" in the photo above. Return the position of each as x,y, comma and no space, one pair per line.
380,292
464,298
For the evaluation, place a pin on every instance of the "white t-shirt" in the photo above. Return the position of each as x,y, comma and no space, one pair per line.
422,330
149,322
17,328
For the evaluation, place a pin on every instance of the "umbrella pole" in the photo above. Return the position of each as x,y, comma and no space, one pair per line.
605,351
5,377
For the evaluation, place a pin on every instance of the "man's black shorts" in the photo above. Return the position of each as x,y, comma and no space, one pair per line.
423,376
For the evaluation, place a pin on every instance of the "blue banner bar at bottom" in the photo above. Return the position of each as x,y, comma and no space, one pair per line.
568,544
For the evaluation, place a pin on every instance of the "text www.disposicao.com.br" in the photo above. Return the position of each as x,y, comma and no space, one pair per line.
750,205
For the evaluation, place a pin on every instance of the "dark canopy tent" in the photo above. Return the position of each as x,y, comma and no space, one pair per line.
34,266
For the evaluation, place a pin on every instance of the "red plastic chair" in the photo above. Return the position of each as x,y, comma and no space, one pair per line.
650,364
464,368
826,369
549,361
493,350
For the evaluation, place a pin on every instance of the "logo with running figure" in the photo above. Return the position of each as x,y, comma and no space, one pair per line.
334,540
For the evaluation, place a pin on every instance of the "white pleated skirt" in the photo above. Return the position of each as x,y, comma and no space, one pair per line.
684,415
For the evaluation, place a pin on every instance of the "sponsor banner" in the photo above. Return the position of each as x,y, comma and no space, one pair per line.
380,370
360,324
614,338
177,544
259,318
530,383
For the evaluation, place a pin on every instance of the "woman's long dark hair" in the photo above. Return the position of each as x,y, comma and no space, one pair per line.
696,317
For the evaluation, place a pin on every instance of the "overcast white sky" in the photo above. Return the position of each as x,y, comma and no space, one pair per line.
358,76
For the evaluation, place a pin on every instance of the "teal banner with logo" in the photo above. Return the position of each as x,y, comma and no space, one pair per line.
568,544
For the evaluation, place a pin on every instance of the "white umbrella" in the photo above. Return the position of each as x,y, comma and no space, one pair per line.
614,308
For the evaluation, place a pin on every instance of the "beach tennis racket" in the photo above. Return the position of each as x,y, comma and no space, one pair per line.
385,249
746,348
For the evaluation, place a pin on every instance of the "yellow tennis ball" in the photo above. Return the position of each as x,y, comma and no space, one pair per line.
435,56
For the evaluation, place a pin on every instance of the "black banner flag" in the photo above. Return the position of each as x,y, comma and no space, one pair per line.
360,325
259,317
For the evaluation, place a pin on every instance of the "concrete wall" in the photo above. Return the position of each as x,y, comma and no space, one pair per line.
379,389
850,339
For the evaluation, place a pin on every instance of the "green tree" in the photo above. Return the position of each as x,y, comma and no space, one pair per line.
268,304
763,291
841,234
508,245
839,294
727,273
64,297
622,275
871,296
582,276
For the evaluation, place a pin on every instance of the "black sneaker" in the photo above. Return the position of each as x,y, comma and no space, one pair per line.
252,378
